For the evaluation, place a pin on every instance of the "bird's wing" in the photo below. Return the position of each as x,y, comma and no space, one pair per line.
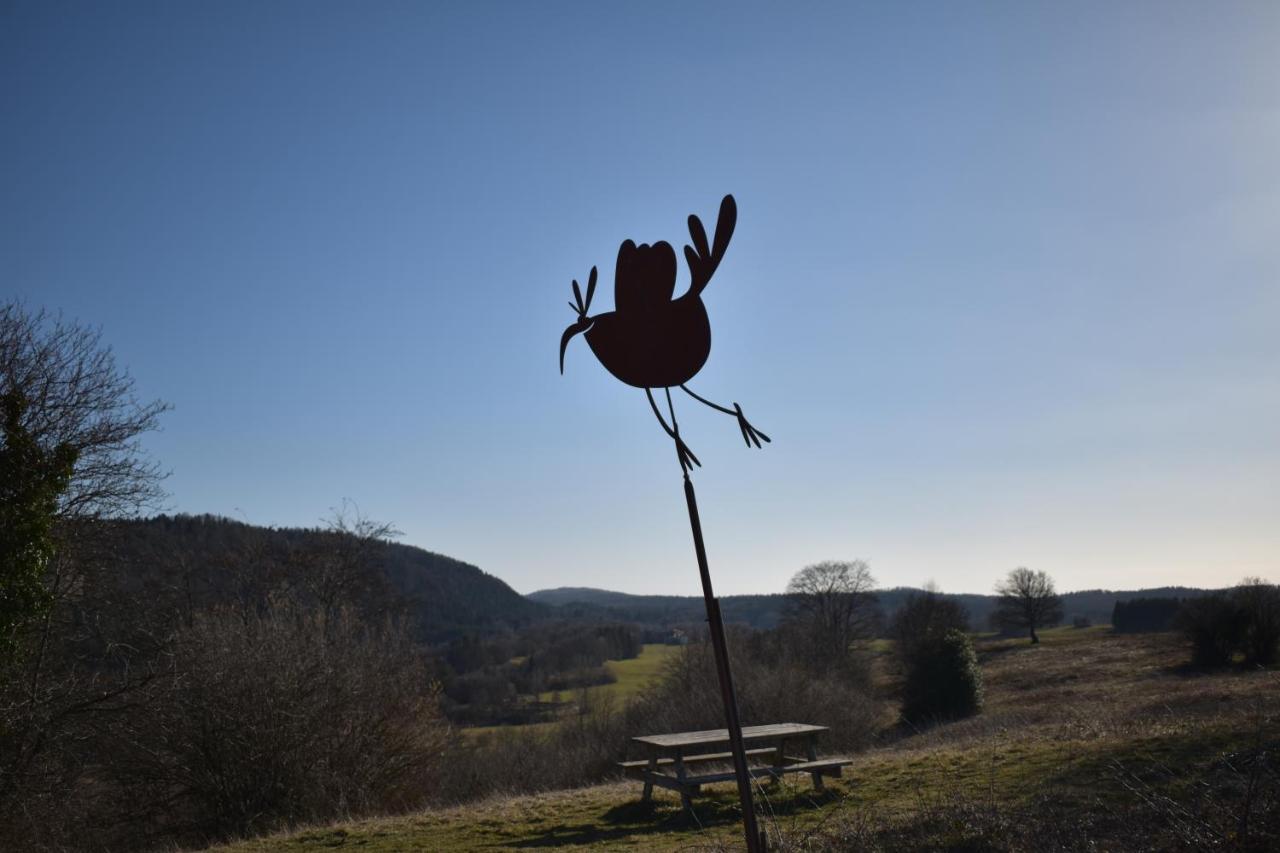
703,259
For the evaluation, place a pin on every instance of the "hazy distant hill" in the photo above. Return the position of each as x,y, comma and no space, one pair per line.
764,611
208,556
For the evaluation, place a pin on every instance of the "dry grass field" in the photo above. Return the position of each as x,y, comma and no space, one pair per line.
1090,740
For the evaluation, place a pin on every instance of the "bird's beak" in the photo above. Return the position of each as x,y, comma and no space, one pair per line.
581,326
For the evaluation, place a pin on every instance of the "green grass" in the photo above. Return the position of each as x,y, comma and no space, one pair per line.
632,675
890,786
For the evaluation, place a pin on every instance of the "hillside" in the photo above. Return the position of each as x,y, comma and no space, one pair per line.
1091,740
204,555
757,611
765,611
209,557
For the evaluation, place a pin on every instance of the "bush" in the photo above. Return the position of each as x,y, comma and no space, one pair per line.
268,719
944,681
1258,605
1212,624
1245,619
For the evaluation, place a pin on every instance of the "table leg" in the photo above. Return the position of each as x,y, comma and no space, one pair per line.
779,759
681,775
811,753
648,781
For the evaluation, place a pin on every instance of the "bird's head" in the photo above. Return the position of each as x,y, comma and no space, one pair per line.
580,306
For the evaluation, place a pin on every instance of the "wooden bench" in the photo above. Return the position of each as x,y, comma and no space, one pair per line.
668,752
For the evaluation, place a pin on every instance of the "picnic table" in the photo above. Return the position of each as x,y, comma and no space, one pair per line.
789,748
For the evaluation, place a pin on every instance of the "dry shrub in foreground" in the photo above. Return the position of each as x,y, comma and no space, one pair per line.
267,719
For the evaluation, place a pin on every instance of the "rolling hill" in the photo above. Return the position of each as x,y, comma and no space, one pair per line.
209,558
764,611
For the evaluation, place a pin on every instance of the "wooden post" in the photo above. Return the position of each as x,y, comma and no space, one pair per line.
734,725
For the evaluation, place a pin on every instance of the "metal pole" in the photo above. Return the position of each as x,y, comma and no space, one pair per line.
754,842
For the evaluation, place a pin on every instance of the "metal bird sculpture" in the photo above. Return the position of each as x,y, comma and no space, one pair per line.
653,341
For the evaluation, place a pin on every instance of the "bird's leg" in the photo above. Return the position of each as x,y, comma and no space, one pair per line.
683,453
750,434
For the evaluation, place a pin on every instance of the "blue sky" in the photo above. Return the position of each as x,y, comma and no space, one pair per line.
1004,289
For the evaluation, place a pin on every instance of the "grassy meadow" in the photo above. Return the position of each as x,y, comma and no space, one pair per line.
1090,740
631,675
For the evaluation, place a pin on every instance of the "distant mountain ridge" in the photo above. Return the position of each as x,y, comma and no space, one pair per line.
764,611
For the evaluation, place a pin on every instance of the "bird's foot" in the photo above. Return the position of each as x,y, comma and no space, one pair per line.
750,434
685,455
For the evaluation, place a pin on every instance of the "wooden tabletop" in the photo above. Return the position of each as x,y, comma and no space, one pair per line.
714,736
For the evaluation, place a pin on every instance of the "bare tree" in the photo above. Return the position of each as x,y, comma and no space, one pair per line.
832,605
1027,602
78,397
340,568
924,618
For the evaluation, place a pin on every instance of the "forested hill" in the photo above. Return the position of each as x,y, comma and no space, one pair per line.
764,611
453,595
758,611
170,558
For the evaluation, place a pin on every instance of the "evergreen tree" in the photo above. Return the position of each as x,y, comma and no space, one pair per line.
944,681
31,480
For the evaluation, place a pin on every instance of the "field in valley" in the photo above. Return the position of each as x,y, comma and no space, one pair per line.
1089,735
632,675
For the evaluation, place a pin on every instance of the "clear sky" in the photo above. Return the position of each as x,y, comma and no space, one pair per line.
1004,291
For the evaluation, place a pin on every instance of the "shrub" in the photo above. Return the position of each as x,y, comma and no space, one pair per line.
944,681
275,718
1258,605
1245,619
1212,624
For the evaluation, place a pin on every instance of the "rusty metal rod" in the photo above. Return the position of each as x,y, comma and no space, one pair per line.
754,841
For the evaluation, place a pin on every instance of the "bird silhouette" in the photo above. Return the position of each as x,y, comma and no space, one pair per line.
653,341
